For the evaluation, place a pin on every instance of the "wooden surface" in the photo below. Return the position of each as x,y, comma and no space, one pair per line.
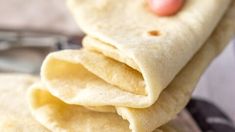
217,84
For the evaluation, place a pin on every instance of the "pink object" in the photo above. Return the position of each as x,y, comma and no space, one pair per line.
165,7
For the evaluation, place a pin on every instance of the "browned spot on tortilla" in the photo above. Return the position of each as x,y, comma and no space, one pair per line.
154,33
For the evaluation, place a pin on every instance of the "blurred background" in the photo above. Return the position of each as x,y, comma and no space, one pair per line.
30,29
37,14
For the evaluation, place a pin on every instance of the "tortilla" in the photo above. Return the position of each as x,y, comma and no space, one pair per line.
142,53
51,103
15,115
65,117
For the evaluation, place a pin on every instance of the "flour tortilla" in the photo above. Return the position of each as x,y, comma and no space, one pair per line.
171,101
59,116
15,115
135,65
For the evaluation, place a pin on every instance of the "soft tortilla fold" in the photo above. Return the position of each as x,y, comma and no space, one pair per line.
16,117
58,116
128,59
67,86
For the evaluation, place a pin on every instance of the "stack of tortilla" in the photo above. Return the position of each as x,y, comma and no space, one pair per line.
136,71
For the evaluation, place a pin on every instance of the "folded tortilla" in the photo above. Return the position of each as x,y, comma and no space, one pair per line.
106,78
59,116
130,54
16,117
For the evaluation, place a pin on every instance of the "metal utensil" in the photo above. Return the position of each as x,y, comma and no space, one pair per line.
24,50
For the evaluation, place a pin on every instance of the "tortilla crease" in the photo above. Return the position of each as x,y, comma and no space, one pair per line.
70,94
